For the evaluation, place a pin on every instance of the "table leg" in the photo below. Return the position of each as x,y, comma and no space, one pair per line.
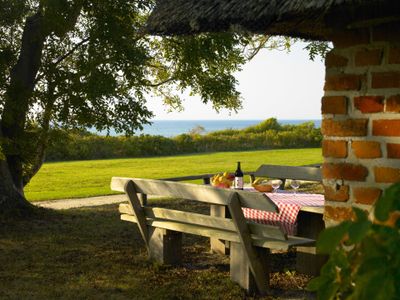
217,245
240,268
309,225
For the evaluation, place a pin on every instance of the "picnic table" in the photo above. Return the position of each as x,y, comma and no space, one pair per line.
300,215
306,218
289,205
162,228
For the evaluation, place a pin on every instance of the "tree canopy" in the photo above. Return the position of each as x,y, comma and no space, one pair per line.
89,63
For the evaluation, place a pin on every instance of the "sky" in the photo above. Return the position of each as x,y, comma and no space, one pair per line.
274,84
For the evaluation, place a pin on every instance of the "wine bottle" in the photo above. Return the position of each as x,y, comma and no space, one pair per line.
238,184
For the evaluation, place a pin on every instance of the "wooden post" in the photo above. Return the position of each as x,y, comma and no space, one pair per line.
217,245
251,254
307,260
165,246
135,205
206,180
252,178
143,199
240,270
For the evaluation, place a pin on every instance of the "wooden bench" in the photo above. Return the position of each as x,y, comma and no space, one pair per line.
306,173
162,228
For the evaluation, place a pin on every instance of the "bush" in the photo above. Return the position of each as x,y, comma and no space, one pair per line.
364,260
269,134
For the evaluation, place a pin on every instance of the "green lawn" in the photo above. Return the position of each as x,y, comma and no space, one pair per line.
92,178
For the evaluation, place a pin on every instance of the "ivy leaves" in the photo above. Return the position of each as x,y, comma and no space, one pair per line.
364,260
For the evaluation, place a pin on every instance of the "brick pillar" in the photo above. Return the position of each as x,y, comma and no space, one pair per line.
361,119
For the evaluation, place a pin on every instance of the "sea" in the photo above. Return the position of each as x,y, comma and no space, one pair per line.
170,128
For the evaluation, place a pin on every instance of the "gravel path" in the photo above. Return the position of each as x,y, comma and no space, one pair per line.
81,202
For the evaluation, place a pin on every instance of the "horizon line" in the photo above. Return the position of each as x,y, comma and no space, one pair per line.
310,119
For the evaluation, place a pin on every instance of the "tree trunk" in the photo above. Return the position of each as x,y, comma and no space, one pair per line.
16,107
11,200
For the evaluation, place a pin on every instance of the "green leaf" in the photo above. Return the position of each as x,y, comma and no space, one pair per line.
357,231
328,292
324,286
2,157
330,237
373,264
375,285
318,282
360,214
390,201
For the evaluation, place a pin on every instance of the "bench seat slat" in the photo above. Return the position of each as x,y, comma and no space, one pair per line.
202,193
204,220
221,233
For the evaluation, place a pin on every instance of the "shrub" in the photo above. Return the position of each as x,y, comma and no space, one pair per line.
269,134
364,256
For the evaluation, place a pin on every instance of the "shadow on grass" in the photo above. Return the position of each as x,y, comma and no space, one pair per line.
89,253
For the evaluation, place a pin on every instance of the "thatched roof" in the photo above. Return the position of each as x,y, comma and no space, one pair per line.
298,18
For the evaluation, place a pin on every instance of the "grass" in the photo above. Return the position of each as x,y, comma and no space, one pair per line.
89,253
92,178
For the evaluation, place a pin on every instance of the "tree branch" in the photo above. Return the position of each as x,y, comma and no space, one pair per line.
258,48
161,82
63,57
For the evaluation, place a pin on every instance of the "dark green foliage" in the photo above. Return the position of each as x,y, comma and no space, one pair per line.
79,145
79,64
364,258
317,48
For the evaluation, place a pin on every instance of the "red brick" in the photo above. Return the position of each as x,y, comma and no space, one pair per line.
341,194
368,57
344,171
385,80
343,82
337,149
338,213
350,38
386,174
351,127
389,32
334,105
366,195
393,150
394,55
366,149
333,60
393,104
386,127
369,104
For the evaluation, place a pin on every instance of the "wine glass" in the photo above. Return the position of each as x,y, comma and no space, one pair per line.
276,184
295,184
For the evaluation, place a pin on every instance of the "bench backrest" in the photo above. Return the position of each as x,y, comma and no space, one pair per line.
202,193
289,172
195,223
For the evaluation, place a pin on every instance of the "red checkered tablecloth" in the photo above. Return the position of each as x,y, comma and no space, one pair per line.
289,206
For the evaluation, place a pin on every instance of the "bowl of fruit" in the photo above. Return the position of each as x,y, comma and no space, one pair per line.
224,180
262,185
